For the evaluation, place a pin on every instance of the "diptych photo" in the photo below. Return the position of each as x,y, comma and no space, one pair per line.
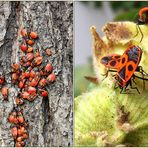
111,74
36,44
73,74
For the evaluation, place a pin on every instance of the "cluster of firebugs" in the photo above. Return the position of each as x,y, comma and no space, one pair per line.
125,65
31,75
19,127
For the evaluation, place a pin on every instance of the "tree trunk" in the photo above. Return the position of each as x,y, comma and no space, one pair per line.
50,120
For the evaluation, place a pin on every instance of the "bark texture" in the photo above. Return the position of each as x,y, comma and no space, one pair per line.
50,120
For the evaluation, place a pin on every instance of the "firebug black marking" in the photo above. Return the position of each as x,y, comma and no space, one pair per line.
125,66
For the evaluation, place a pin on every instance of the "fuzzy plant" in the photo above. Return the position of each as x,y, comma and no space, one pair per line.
104,116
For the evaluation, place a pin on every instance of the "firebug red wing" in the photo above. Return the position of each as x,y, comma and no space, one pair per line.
128,64
111,61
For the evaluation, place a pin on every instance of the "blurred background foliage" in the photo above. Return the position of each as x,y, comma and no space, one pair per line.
81,84
125,11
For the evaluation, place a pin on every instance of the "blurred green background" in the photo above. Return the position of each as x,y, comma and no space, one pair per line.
123,10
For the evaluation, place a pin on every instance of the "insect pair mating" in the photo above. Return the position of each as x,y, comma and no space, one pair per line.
125,65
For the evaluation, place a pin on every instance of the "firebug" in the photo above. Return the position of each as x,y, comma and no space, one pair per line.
143,16
24,33
14,132
5,91
33,35
23,47
51,78
128,65
143,19
125,65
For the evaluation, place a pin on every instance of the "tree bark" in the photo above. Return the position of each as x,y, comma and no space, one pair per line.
50,120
